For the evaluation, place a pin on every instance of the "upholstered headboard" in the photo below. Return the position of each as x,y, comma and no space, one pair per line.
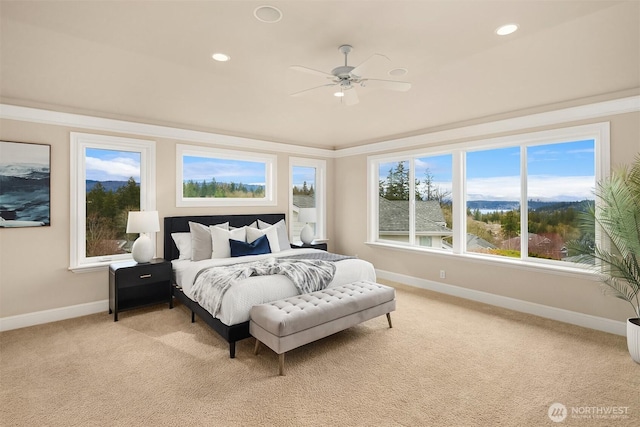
180,224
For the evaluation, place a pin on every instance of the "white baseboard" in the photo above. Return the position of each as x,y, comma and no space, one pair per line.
559,314
53,315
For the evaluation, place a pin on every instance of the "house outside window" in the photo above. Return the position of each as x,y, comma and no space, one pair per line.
414,201
110,176
307,184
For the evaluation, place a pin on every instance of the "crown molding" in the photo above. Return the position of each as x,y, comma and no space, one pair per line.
584,112
78,121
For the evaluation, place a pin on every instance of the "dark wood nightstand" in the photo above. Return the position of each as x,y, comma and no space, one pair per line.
321,246
133,285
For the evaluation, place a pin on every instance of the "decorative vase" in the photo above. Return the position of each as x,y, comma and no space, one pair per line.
633,338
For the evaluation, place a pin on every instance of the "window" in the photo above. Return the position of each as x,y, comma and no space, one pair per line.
215,177
493,201
414,201
307,183
519,195
109,177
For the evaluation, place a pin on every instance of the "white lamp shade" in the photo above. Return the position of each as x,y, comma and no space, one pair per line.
307,215
143,222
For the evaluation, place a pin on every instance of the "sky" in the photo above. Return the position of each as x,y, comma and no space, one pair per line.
112,165
224,170
302,174
556,172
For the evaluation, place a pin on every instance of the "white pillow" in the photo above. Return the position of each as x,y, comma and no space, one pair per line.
201,240
183,243
283,235
272,236
220,240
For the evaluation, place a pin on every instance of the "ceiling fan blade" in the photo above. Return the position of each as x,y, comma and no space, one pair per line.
387,84
375,59
350,97
305,91
311,71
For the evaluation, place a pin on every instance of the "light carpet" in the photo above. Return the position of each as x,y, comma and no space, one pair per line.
446,362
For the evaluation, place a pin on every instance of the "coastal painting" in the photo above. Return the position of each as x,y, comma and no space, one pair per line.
25,184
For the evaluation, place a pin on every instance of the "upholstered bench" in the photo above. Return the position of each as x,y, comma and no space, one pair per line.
292,322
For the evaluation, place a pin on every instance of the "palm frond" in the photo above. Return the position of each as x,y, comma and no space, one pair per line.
617,215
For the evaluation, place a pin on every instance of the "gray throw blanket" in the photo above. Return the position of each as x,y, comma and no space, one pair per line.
323,256
211,283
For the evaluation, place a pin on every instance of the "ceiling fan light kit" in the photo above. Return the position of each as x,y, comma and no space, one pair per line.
346,77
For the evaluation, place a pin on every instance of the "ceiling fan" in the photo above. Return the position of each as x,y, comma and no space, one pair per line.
346,77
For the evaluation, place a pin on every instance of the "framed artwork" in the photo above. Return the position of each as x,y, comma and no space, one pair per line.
25,184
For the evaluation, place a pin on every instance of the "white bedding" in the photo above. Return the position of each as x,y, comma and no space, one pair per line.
239,299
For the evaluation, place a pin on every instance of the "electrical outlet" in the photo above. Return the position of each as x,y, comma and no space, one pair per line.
443,275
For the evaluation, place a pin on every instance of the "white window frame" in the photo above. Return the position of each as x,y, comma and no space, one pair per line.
320,194
269,160
599,132
80,142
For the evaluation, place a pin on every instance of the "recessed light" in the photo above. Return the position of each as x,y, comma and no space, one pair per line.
268,14
339,94
396,72
506,29
221,57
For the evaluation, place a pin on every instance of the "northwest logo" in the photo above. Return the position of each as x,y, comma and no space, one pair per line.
557,412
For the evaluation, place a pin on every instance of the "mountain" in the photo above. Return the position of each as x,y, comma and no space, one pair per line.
538,205
108,185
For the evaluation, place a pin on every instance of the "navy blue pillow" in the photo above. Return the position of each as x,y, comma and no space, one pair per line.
258,247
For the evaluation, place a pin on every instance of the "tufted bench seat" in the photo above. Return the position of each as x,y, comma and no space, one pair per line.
292,322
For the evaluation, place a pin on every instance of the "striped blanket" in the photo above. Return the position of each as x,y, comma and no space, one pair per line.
308,275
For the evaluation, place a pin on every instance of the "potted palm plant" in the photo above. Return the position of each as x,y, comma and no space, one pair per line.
615,256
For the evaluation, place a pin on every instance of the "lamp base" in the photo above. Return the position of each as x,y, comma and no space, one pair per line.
306,234
142,249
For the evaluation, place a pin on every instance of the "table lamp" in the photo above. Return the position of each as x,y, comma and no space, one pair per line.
307,215
143,222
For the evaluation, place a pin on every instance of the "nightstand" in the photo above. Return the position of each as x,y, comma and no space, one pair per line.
321,246
133,285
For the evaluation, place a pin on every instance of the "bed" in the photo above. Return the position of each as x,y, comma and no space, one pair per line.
231,321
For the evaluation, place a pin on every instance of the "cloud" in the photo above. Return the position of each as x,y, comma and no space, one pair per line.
546,187
542,187
236,171
116,169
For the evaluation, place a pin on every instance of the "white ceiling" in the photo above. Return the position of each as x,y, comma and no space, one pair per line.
151,62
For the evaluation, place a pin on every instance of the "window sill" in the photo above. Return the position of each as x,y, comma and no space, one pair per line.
573,271
92,267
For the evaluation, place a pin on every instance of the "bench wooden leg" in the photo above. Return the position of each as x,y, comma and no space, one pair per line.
281,363
257,347
389,320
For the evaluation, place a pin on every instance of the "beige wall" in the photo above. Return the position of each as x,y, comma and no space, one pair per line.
561,290
34,262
